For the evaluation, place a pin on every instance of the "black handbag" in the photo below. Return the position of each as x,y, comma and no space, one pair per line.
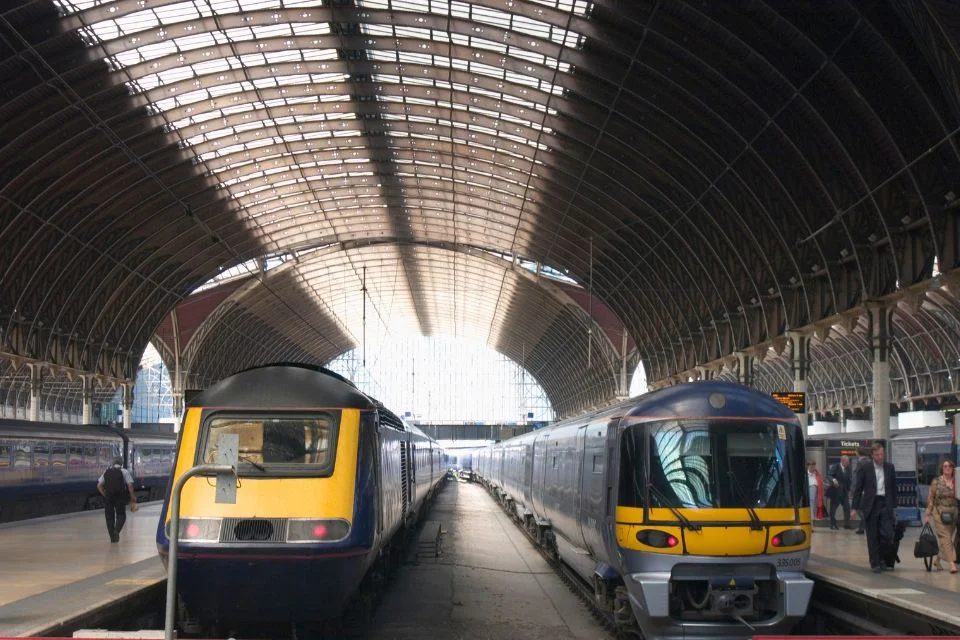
926,546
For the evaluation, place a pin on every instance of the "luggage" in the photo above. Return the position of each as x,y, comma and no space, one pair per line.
113,484
891,555
926,546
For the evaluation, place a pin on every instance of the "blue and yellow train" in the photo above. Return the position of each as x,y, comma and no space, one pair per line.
684,509
329,480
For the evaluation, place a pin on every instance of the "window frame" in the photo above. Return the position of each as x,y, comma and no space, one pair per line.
286,469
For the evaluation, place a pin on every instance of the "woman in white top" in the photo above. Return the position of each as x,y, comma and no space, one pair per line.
814,491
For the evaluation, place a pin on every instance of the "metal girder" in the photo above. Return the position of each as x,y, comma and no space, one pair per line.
740,171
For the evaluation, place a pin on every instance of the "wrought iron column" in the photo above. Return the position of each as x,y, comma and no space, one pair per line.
878,335
745,370
36,386
87,382
800,366
127,404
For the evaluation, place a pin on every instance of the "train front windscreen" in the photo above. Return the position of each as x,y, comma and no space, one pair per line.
705,464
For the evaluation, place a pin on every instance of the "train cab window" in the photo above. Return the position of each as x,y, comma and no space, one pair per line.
278,444
707,464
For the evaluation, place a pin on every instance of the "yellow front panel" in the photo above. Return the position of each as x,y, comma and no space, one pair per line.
711,540
330,497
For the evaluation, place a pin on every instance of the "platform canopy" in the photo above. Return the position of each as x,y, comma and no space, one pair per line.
548,176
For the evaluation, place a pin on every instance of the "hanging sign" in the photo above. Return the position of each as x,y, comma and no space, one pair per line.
796,401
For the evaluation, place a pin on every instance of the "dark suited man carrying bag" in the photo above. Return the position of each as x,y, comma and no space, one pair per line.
874,497
838,488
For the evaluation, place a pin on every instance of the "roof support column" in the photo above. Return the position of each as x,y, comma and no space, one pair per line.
624,389
880,316
127,404
87,399
36,385
800,366
745,370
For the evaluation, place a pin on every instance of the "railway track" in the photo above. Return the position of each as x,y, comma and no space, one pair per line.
570,578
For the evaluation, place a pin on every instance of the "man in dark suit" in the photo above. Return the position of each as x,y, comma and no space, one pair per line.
874,497
838,489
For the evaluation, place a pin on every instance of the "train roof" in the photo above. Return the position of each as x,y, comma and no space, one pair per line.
689,400
283,386
51,430
709,398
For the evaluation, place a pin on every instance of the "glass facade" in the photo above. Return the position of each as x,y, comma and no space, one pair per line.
446,380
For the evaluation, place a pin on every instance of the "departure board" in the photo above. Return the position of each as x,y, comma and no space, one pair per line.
796,401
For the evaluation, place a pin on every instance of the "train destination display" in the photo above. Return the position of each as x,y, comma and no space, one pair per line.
796,401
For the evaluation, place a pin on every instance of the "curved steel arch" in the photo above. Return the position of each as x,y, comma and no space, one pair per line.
740,173
543,330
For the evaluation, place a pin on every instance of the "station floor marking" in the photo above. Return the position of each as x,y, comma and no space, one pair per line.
136,582
905,591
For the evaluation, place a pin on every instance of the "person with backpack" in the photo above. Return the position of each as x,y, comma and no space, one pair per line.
115,485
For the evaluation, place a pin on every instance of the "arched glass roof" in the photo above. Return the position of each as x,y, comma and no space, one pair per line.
709,175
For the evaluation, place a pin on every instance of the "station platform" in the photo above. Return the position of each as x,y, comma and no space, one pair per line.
839,559
62,569
487,582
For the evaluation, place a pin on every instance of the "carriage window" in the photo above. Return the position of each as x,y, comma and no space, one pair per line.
41,454
22,456
277,443
5,451
106,456
90,456
58,455
76,456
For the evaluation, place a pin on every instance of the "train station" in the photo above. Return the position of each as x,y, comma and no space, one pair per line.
479,318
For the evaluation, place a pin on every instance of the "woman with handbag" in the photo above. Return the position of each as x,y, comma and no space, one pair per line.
942,511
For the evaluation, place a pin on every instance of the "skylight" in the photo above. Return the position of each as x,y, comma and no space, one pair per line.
239,81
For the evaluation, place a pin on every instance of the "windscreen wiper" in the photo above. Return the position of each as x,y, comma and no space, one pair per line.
755,524
682,518
255,464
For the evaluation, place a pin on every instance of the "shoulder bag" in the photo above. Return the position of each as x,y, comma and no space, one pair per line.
926,546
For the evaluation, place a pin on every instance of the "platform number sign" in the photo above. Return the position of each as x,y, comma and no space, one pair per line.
796,401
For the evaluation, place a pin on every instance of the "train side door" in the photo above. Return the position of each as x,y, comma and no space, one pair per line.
527,472
593,485
538,473
404,477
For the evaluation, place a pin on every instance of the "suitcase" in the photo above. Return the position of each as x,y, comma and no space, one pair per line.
891,557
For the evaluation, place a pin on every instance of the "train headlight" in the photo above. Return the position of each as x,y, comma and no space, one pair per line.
198,529
789,538
317,530
655,538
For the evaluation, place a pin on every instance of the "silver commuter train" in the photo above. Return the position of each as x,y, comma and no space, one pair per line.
685,509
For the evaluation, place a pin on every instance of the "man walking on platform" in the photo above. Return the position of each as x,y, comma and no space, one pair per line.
874,496
115,485
838,491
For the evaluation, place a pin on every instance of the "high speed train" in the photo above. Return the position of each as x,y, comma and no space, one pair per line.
329,483
684,509
49,468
